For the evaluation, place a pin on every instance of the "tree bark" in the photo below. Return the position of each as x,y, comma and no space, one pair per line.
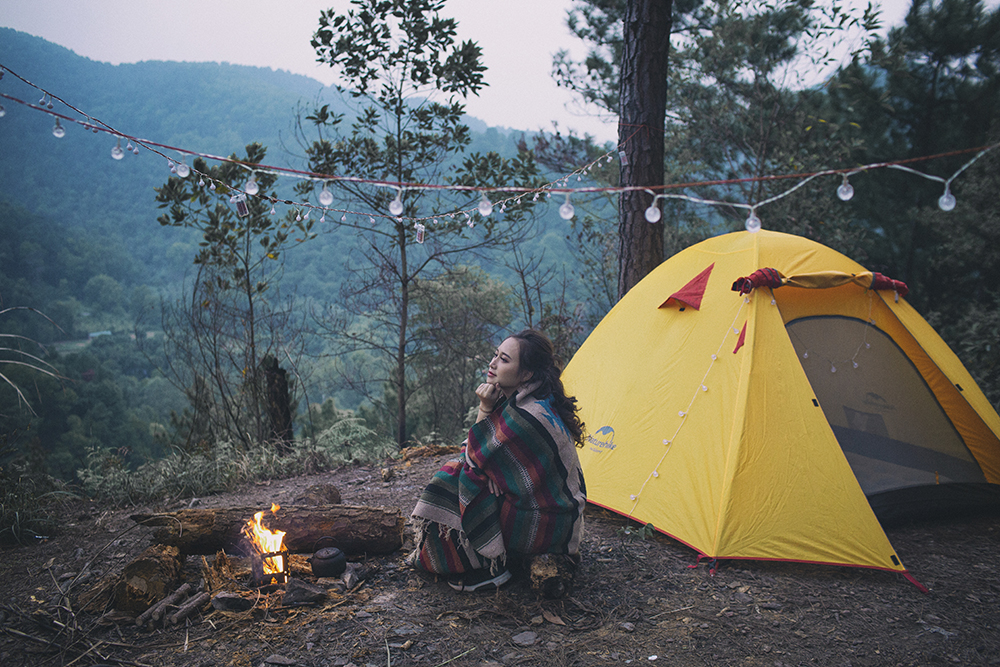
643,99
147,579
355,530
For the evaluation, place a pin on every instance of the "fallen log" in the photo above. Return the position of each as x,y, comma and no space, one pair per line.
356,530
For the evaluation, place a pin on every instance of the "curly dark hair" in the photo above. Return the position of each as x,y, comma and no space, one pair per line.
537,354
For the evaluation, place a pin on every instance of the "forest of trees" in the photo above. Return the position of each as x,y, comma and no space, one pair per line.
217,319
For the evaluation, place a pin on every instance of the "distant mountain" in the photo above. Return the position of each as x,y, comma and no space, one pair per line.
206,107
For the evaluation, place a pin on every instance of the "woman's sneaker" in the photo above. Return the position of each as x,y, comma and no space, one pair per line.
479,579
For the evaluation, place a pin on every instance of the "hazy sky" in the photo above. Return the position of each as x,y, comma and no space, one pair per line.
518,38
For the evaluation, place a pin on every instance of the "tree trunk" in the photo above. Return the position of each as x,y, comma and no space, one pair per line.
355,530
279,409
643,95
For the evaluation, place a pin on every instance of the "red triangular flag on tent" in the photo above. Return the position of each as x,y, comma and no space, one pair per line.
742,339
691,294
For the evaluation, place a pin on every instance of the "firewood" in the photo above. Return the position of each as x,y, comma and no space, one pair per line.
190,607
552,574
355,530
155,613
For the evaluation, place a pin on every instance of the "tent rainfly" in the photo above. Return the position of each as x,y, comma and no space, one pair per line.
761,396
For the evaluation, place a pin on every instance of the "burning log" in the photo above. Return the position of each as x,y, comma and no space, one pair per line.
355,529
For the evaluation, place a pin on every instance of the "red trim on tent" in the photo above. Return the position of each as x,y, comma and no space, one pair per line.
702,555
692,293
742,339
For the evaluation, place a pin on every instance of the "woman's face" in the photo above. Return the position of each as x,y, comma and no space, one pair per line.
505,368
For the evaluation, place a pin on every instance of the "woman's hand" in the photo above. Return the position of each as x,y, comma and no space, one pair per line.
488,395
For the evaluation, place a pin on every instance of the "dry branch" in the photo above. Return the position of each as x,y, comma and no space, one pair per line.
189,607
155,613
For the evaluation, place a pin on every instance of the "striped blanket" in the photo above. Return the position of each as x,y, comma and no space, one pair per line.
517,488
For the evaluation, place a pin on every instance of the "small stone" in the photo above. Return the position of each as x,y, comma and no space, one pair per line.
627,627
279,660
298,592
407,629
526,638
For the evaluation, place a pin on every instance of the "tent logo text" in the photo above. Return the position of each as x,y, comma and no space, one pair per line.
603,439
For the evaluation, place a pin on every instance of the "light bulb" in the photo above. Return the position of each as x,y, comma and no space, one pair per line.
343,218
846,191
251,187
947,201
485,206
117,152
396,206
58,131
3,112
753,223
566,211
183,170
325,197
653,213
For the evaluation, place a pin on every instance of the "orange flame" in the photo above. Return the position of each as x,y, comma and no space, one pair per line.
266,541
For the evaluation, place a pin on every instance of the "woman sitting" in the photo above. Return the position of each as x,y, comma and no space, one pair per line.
517,488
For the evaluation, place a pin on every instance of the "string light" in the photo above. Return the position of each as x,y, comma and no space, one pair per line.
325,196
485,206
251,187
396,206
117,152
566,211
183,170
753,222
946,202
653,213
846,191
58,131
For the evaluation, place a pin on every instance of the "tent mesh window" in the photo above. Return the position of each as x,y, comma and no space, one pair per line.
890,426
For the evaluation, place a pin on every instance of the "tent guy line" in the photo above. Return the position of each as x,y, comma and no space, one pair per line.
845,192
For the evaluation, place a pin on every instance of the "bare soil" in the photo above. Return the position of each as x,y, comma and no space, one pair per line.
635,601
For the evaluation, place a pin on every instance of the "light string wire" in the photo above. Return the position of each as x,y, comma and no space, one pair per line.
946,202
683,414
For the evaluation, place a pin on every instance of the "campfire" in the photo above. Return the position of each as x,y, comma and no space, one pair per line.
269,557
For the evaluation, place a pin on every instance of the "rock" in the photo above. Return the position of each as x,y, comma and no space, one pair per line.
387,474
627,627
279,660
319,494
526,638
298,592
226,601
407,629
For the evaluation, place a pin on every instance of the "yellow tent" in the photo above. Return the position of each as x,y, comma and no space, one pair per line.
767,425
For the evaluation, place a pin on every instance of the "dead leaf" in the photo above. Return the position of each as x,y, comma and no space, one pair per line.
552,617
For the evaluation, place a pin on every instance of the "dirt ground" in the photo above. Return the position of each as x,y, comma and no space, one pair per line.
634,602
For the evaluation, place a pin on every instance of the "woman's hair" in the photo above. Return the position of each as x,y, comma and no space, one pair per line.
536,354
